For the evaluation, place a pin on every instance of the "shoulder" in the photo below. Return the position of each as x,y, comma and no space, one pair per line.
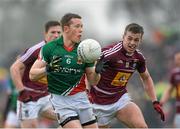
35,47
175,70
52,44
32,51
111,49
111,46
139,55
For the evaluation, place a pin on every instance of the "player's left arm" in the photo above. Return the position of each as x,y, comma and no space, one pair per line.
148,85
167,93
150,90
92,77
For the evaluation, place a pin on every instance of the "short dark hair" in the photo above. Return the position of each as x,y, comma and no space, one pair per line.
50,24
134,28
65,20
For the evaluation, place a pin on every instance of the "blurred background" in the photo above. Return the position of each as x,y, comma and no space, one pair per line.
22,23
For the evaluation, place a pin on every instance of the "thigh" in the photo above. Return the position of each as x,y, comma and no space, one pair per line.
91,126
131,116
30,123
44,102
104,114
26,111
47,110
87,117
49,113
67,108
73,124
64,115
27,114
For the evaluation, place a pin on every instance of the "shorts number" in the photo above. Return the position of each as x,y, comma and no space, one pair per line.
121,79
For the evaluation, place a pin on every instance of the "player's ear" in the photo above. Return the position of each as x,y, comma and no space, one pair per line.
66,28
141,39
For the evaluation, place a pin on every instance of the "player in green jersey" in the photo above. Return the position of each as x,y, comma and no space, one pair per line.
66,76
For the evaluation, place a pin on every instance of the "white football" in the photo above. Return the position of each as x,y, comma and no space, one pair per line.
89,50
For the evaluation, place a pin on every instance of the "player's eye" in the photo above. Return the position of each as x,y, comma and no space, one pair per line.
136,40
129,38
78,26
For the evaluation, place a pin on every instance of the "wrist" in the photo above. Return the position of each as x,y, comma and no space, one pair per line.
21,92
155,102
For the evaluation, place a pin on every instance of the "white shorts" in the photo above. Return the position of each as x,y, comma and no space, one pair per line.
12,119
105,113
77,105
31,110
177,120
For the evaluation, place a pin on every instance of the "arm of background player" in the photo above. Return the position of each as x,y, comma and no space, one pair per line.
17,71
38,70
148,85
166,94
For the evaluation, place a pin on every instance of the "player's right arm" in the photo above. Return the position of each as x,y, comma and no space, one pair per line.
17,71
38,70
166,94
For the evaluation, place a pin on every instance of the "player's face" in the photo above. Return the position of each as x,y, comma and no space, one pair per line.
53,33
75,30
131,41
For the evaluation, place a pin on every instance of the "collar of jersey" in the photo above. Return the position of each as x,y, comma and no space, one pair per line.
125,52
61,42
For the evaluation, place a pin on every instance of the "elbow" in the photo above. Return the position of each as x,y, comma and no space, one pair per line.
13,69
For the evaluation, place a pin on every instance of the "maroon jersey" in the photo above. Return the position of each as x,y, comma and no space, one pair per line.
114,79
38,88
175,82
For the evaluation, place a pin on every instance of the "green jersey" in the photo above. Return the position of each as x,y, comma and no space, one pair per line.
71,77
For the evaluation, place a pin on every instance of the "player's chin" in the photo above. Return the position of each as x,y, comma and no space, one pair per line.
77,40
131,51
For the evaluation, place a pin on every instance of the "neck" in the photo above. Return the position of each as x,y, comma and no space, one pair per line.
68,43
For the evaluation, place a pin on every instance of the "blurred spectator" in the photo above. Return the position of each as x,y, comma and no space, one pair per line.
10,117
3,93
174,84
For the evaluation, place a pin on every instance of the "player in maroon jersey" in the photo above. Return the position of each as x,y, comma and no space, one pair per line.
33,96
174,84
119,61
